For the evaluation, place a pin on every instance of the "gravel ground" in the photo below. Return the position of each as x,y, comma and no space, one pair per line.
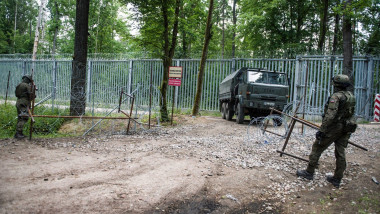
203,165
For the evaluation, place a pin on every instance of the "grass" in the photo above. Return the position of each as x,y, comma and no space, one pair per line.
60,127
201,113
368,203
43,127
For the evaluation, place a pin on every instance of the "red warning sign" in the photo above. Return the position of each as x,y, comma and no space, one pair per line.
175,76
175,82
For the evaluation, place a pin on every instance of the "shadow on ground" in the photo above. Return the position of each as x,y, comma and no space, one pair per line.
202,203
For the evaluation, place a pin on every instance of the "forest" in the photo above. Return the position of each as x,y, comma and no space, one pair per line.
240,28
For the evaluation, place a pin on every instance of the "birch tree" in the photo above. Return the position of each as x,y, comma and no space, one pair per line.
38,29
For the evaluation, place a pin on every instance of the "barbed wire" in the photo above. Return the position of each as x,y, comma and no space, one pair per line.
54,123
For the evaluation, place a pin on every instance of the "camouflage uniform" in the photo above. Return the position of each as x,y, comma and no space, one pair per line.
337,125
23,93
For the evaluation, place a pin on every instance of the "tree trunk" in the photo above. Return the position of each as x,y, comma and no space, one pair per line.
15,28
184,45
56,28
234,28
37,33
223,18
168,55
78,77
323,26
336,31
208,36
299,21
347,45
184,35
97,28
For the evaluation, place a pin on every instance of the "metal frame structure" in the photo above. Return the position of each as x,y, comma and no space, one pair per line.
290,130
128,116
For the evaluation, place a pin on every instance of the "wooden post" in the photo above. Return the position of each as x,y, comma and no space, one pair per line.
130,114
32,111
304,95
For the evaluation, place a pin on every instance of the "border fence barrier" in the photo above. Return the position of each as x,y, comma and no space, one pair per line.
309,76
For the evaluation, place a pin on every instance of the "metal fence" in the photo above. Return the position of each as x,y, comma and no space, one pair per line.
310,80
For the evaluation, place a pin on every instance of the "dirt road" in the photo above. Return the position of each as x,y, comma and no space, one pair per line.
203,165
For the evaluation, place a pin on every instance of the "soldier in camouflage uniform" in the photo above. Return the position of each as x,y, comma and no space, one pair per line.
24,96
337,125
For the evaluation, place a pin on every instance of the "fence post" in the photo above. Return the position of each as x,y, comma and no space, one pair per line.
297,82
89,78
176,88
369,94
233,65
129,88
54,84
334,61
24,68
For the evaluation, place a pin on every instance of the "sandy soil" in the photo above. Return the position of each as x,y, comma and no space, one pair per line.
203,165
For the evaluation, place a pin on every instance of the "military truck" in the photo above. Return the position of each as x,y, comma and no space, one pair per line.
252,91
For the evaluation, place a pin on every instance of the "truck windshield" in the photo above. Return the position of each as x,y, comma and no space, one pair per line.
267,78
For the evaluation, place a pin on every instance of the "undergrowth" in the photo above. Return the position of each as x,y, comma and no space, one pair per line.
41,127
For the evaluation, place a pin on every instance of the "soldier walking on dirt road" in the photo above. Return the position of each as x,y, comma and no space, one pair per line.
24,96
337,126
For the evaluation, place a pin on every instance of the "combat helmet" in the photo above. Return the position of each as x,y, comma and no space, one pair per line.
341,80
27,77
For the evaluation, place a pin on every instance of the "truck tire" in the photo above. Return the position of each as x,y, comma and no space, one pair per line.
223,110
229,111
239,114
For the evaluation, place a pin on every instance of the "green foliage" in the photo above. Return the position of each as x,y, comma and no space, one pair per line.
273,28
108,32
278,28
48,125
42,126
8,120
17,18
368,203
370,18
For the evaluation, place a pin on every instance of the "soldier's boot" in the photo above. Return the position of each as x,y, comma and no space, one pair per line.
333,181
19,135
305,174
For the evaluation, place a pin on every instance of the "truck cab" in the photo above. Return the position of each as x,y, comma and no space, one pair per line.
252,91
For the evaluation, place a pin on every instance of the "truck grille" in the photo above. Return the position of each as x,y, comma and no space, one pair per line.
267,98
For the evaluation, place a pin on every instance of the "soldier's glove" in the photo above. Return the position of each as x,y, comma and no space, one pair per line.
319,135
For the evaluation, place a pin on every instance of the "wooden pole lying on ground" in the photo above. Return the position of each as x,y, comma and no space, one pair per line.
81,117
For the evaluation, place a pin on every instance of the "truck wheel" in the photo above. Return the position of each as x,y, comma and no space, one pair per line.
229,112
224,110
240,114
